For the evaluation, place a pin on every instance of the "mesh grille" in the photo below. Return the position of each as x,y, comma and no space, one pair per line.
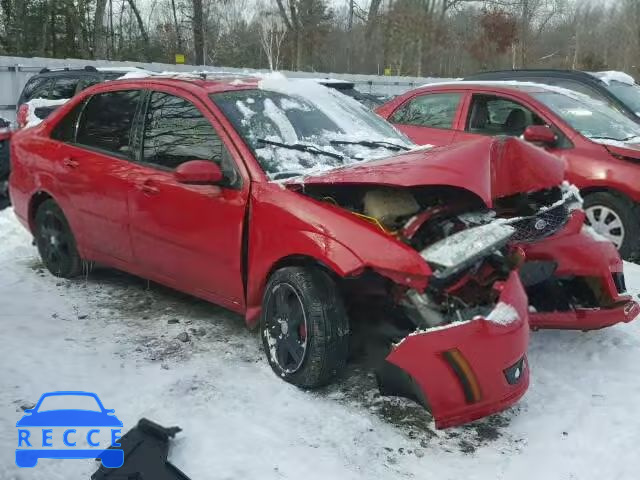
532,229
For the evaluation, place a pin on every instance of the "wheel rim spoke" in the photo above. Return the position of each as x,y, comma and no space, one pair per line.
286,320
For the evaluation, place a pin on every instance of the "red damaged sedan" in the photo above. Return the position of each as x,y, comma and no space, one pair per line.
300,209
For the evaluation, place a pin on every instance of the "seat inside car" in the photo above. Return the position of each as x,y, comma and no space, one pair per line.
515,123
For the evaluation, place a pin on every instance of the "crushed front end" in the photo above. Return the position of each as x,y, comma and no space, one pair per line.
457,344
573,277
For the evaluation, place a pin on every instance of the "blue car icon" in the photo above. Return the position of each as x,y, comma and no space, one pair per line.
67,417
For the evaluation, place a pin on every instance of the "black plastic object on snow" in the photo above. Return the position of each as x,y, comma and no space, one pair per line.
145,455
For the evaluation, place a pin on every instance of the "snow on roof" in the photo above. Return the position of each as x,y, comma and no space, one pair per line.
122,69
613,75
32,105
517,84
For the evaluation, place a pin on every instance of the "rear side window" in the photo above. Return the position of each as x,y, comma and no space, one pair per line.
435,110
36,88
63,87
65,130
106,122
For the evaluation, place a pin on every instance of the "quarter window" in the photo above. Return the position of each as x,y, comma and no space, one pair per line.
435,110
106,122
38,89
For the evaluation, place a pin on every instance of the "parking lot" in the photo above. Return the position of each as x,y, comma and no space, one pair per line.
122,337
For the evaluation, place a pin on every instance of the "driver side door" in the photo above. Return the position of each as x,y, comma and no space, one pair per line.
183,235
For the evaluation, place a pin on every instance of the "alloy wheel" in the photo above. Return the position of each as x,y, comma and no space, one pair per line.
606,222
286,328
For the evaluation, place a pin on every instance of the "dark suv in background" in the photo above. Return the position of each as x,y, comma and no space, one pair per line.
615,88
50,84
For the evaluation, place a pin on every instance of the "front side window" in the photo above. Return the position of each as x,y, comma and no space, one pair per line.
176,132
105,123
64,88
435,110
490,115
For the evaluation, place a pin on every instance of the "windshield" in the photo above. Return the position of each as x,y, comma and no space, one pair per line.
309,130
592,118
629,94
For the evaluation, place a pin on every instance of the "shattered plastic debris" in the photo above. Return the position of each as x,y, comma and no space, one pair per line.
503,314
145,447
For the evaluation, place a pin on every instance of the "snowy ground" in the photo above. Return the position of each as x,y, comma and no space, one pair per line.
115,335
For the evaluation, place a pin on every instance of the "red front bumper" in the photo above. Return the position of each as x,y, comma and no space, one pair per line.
579,254
487,350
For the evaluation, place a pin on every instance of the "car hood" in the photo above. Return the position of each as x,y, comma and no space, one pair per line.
490,167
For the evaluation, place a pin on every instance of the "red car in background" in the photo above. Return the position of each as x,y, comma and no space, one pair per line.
600,145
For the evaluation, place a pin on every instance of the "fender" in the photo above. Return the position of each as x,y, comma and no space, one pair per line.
282,229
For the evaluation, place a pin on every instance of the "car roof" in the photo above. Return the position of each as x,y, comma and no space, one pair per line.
527,87
209,82
578,75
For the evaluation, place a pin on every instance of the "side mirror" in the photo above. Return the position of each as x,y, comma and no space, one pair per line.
200,172
540,134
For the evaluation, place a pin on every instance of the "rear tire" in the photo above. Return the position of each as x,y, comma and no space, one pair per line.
615,217
55,241
304,327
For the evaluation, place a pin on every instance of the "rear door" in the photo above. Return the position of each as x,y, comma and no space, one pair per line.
429,119
188,236
94,171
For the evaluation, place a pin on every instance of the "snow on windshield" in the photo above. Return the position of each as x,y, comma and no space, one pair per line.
298,127
592,118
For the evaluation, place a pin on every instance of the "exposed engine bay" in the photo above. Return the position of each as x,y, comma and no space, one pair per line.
469,247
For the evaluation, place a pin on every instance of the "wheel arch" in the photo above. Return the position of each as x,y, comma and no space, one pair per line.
257,286
35,201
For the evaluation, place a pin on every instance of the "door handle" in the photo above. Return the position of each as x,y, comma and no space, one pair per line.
148,188
70,162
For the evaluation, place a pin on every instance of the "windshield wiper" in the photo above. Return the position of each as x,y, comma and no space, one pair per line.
301,147
370,144
597,137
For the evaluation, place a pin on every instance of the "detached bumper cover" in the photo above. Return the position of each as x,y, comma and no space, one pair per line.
490,371
577,253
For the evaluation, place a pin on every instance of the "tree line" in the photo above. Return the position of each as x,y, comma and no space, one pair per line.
446,38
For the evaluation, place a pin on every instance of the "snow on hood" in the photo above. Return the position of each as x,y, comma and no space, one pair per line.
613,75
489,167
32,105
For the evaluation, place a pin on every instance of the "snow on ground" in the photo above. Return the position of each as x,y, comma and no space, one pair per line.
115,335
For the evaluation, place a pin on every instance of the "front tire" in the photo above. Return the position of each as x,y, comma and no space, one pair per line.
55,241
304,327
616,218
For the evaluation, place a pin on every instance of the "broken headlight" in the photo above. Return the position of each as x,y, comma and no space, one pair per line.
463,249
